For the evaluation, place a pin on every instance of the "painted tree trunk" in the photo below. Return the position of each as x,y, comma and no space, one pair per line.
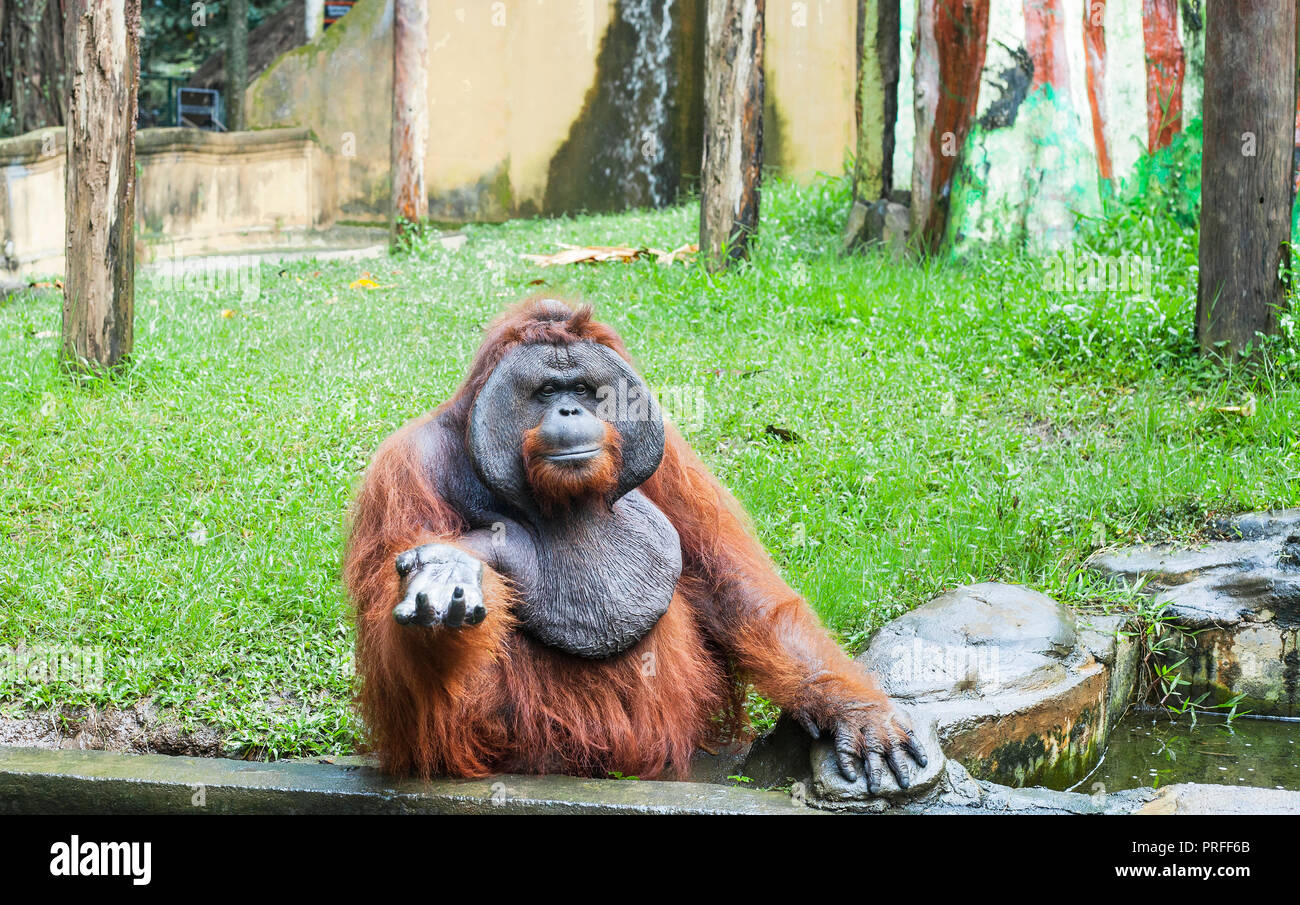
877,98
237,65
1094,48
733,130
951,38
1165,65
1249,108
410,112
102,40
1045,44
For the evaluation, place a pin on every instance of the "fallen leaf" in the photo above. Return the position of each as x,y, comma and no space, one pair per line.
596,254
1245,410
677,254
47,334
228,312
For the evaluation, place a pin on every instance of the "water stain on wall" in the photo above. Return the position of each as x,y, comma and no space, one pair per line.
640,134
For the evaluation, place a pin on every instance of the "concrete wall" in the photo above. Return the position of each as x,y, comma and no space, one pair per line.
811,64
525,112
31,202
198,193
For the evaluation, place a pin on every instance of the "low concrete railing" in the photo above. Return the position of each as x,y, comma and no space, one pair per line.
198,193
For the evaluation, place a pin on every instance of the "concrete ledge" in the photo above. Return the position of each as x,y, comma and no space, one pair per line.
43,781
39,781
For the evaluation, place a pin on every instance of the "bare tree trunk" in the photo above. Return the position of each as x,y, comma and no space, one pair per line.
33,65
877,98
98,293
1249,108
410,112
237,65
733,130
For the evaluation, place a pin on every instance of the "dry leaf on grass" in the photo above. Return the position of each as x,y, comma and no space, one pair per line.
1245,410
596,254
365,281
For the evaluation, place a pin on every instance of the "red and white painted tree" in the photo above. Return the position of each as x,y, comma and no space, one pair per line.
951,39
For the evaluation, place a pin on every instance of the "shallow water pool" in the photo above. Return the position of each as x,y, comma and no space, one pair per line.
1151,750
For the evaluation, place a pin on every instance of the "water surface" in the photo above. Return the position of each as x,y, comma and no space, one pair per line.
1151,750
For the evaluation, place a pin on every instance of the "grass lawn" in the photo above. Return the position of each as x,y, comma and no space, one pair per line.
950,423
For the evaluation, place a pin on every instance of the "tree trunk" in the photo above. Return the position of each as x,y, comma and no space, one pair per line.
410,112
1248,108
33,64
733,130
237,65
951,39
877,98
98,293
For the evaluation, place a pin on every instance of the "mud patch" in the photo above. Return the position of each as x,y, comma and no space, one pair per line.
141,730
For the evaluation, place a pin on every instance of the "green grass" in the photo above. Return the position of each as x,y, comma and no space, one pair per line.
957,423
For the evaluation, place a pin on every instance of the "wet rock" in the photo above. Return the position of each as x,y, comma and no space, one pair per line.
1194,798
1010,683
780,757
831,788
718,765
1109,642
1240,594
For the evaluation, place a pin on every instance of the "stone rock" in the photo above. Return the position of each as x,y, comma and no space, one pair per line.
1240,594
876,222
780,756
854,227
830,787
1254,576
1195,798
1002,680
1003,673
898,222
1105,638
973,641
716,766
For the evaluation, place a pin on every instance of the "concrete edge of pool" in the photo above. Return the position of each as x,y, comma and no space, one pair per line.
43,781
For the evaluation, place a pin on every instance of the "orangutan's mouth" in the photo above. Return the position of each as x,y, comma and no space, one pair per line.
575,455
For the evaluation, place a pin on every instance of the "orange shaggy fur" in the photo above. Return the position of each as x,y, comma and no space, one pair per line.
486,699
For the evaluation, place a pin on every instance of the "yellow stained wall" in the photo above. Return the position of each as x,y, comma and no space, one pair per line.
811,64
507,81
197,193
